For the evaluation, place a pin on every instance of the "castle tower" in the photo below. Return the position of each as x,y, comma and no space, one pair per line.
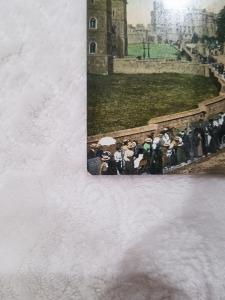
99,40
119,28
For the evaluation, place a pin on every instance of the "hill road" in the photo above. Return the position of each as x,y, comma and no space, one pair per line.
212,165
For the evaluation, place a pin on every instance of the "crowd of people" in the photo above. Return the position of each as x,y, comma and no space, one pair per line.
209,59
160,152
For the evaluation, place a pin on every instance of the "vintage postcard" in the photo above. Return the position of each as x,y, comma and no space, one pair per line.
155,87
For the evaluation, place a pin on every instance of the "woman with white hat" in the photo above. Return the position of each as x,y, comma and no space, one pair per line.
129,159
156,163
181,158
118,157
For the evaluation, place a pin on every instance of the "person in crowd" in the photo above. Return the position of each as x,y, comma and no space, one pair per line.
94,165
208,139
221,118
156,162
92,151
187,143
108,166
125,144
190,134
181,157
129,159
198,151
165,138
151,135
223,128
220,122
147,151
166,155
118,157
214,132
99,150
172,152
138,149
105,158
139,164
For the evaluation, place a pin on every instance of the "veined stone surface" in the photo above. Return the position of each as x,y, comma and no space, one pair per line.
63,233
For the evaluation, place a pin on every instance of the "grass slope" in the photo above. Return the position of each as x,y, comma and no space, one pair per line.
120,101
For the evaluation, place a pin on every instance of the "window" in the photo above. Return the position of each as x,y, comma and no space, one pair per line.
92,48
93,23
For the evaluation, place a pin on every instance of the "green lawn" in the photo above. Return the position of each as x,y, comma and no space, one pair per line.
156,51
121,101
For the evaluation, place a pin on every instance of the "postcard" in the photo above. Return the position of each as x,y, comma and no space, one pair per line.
155,87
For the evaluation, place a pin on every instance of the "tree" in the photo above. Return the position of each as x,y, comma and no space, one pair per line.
221,26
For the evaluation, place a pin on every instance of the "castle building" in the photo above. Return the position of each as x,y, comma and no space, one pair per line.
171,24
119,28
106,34
137,34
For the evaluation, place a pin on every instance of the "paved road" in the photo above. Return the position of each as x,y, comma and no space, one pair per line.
220,59
214,164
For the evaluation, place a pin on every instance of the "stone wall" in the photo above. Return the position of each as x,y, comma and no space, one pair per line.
98,64
178,120
137,133
133,66
209,107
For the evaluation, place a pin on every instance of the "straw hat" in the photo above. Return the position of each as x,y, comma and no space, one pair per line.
130,145
166,145
148,140
180,144
93,146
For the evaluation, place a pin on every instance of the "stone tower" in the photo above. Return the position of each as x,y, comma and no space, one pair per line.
119,28
99,39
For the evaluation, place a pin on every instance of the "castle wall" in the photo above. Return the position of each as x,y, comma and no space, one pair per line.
132,66
136,37
99,64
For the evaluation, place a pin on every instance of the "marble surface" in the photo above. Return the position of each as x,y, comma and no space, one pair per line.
63,233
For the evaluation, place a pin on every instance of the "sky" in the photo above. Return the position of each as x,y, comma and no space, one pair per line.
138,11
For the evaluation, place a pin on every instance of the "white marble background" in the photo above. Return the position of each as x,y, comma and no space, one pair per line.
63,233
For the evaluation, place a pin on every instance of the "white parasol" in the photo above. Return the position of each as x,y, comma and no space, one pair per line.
107,141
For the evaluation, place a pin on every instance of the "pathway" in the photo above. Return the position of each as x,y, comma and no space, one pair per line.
213,164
